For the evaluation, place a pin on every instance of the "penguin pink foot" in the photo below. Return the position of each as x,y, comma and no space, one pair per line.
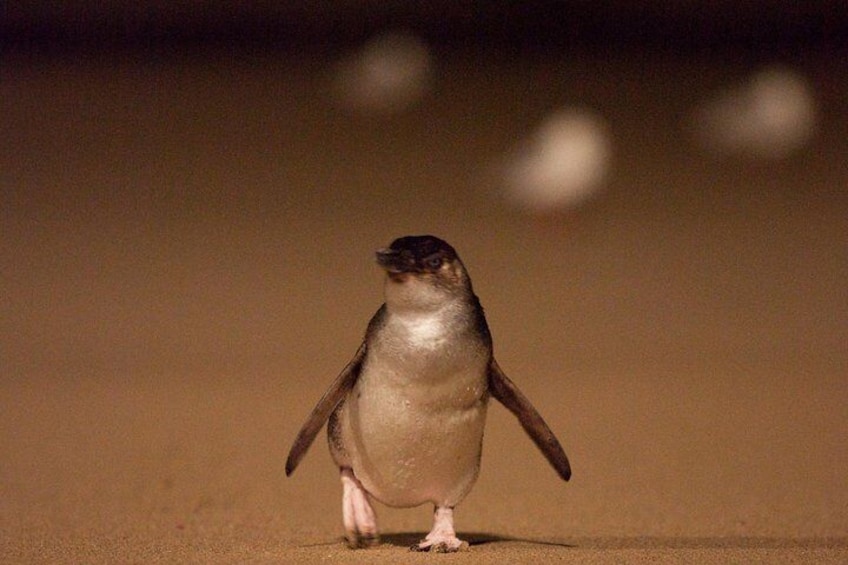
360,521
442,538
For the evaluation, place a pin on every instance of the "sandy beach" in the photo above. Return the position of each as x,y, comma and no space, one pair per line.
187,262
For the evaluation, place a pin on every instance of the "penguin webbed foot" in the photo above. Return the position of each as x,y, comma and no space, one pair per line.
356,540
442,538
445,545
360,520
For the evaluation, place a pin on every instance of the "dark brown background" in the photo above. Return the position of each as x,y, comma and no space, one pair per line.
188,221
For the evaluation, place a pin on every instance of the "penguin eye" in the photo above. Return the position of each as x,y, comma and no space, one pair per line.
433,262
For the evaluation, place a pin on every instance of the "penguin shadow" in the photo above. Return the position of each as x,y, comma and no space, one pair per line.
474,539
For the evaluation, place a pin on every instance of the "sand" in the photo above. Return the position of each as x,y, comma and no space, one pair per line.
187,263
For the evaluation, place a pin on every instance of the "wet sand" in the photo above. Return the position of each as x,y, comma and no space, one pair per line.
187,263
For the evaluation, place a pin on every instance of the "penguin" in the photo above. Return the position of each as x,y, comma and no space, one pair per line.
405,417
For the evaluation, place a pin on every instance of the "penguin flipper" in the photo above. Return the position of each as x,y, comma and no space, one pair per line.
505,391
328,403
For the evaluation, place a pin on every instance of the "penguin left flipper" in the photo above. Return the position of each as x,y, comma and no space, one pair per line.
505,391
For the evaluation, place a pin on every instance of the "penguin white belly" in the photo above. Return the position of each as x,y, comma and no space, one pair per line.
413,424
413,444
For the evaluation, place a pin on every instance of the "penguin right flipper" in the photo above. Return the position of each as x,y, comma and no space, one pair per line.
328,403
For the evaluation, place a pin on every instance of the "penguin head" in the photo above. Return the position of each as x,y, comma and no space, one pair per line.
423,269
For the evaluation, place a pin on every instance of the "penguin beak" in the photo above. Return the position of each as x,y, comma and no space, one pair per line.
394,262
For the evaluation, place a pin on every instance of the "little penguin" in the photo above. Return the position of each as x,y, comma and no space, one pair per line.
405,417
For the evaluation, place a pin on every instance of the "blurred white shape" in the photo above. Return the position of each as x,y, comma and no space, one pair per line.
770,116
390,73
564,162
